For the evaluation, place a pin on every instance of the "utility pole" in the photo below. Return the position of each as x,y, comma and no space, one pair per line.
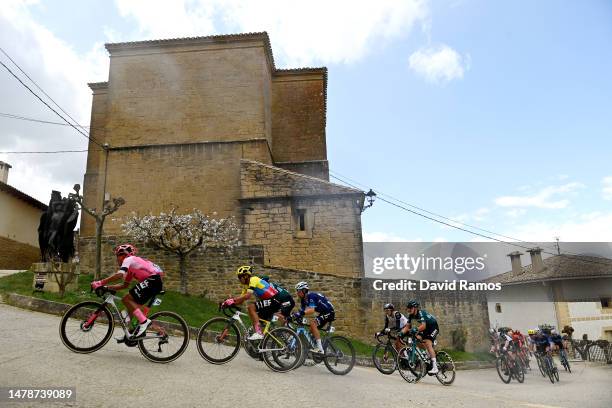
558,246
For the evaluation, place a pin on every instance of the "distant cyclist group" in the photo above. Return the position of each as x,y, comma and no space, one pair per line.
513,351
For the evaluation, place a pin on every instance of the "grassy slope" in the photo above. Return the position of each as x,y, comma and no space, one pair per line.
194,309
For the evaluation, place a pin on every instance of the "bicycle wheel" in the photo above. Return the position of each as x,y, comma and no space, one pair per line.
412,369
549,369
281,349
541,366
218,340
384,358
446,368
556,373
305,344
86,327
503,370
518,371
166,338
339,356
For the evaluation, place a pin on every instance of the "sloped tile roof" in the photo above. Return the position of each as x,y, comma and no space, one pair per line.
22,196
560,267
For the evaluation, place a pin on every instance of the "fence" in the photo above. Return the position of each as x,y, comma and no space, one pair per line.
588,350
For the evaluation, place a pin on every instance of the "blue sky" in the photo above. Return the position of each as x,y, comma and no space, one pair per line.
497,115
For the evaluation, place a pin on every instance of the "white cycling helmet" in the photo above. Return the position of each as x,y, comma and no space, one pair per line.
301,286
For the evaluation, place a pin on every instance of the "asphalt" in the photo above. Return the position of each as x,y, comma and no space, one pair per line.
32,355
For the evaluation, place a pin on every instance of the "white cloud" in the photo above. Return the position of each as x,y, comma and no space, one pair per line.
302,33
63,74
386,237
593,227
545,198
607,188
516,212
439,64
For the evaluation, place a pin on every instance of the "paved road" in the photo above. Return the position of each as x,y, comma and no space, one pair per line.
31,354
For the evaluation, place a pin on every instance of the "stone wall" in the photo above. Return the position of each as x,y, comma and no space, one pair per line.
16,255
328,239
358,307
153,179
298,115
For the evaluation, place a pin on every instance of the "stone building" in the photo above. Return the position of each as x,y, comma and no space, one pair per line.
211,123
19,219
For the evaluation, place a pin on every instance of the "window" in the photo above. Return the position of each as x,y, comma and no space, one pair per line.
498,307
605,302
301,218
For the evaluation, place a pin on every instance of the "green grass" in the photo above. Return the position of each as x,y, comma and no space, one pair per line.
194,309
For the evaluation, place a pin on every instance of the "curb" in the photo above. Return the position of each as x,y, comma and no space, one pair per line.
56,308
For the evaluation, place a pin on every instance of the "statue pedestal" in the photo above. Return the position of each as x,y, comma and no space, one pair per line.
47,275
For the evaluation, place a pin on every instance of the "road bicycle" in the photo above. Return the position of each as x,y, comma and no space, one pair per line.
384,355
413,362
547,366
338,352
219,340
87,326
509,367
564,361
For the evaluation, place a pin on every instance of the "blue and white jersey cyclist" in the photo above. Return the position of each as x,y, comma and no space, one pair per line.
311,303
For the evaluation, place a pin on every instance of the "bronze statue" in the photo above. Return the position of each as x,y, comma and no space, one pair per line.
56,229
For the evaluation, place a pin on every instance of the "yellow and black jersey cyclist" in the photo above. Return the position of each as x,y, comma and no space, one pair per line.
267,298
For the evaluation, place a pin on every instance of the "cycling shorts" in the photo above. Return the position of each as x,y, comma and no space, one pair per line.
431,332
325,318
147,289
267,307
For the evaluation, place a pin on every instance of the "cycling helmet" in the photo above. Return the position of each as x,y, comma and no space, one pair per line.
388,306
412,303
301,286
125,249
244,270
530,332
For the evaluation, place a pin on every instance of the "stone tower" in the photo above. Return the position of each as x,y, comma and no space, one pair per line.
210,123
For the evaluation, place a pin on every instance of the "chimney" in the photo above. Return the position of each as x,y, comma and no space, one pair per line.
515,260
4,170
537,265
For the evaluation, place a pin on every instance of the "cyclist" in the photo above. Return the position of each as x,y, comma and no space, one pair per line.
149,277
556,341
267,299
427,330
394,320
287,302
311,303
530,342
541,341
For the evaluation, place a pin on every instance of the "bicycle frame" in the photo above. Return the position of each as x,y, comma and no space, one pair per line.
237,317
109,299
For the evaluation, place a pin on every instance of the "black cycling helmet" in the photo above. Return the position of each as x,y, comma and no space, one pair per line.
388,306
412,303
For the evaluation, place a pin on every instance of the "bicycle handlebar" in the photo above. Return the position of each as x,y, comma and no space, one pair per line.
102,290
229,310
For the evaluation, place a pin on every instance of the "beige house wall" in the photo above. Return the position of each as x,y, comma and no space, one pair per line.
18,220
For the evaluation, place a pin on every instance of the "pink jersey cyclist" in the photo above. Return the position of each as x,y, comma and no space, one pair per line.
149,277
134,267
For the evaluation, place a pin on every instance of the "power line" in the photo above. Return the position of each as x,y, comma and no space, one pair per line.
46,152
47,105
473,232
11,116
42,90
442,216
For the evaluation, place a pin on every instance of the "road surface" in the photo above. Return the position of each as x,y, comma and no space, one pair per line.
32,355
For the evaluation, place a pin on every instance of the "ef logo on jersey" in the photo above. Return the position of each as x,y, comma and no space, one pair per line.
263,303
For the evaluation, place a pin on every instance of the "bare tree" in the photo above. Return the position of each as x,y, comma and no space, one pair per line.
108,208
182,234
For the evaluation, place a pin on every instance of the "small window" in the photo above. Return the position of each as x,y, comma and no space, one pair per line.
301,213
605,302
498,307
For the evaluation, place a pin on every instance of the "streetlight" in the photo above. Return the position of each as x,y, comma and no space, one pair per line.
370,197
